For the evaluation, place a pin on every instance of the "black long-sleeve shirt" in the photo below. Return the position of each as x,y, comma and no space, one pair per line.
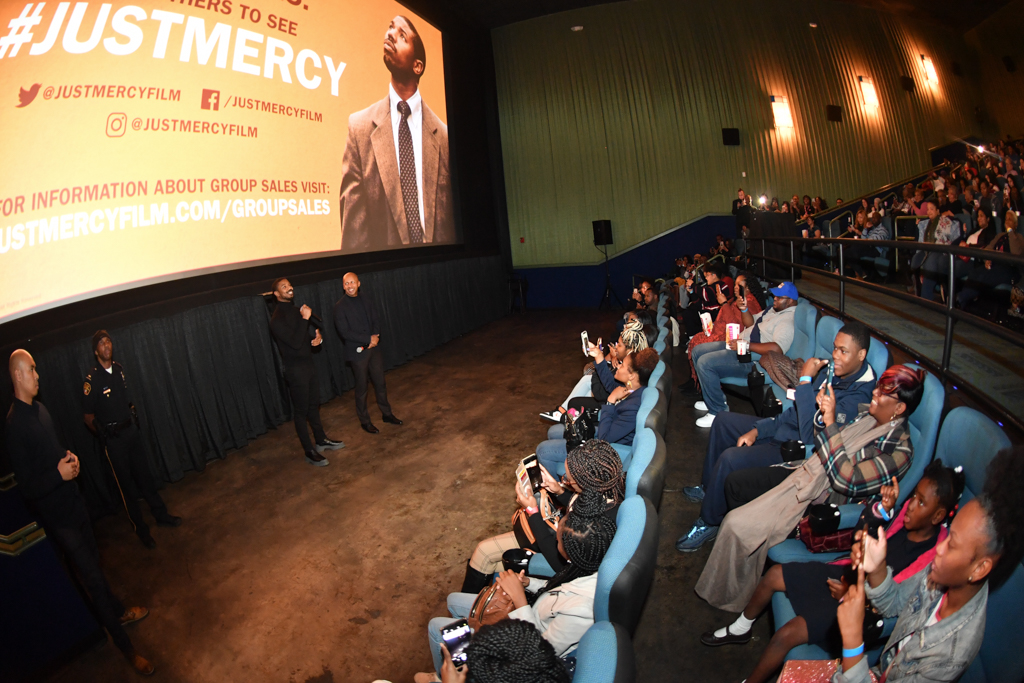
35,452
356,320
292,334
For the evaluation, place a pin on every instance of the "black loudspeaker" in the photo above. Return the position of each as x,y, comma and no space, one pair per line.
834,112
602,233
1010,65
908,83
957,69
731,136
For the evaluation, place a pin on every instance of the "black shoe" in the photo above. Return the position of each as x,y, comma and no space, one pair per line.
369,428
316,460
329,445
391,420
711,640
148,541
475,581
168,520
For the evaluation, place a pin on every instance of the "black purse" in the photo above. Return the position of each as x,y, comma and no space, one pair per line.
583,428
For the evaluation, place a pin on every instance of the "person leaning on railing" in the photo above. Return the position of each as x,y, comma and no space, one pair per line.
933,266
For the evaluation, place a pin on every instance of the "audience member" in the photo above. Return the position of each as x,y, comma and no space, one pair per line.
933,267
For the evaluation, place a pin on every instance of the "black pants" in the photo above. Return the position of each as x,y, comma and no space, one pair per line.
370,366
305,394
134,478
75,540
743,486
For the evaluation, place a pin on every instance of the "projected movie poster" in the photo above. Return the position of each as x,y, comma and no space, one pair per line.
145,141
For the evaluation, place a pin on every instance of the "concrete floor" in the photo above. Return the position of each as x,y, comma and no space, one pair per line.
285,572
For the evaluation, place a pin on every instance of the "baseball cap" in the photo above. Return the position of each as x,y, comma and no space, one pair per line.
98,337
786,289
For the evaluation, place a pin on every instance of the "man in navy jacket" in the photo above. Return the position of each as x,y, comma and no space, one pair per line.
358,325
743,441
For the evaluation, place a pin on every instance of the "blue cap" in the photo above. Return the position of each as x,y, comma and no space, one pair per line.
786,289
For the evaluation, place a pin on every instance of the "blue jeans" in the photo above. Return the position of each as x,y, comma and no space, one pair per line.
552,454
459,605
713,362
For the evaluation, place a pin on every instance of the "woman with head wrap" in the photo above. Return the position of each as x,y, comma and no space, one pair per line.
562,607
591,393
593,466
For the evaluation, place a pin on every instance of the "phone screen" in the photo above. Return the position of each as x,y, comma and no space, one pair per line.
585,338
456,637
533,471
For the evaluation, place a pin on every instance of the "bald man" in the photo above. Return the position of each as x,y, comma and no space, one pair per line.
358,325
45,472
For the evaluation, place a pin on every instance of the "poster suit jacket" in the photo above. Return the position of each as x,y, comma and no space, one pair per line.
372,207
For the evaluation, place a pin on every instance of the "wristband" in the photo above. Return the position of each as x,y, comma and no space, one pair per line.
531,511
880,511
859,650
806,378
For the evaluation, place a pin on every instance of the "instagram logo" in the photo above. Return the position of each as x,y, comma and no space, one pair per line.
211,99
116,124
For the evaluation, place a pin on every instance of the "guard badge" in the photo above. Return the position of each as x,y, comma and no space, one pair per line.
88,388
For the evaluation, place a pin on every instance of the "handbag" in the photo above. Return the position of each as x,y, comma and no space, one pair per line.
491,606
549,512
581,429
819,530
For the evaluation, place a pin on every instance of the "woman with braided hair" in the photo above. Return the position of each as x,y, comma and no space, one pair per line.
594,466
512,651
562,607
589,394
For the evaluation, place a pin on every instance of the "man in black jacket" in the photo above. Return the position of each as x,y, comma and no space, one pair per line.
358,325
44,471
290,327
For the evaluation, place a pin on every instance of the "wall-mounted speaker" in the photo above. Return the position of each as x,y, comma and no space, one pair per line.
731,136
956,69
602,233
834,113
1010,65
908,83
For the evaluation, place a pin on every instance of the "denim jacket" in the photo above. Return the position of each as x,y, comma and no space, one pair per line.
941,652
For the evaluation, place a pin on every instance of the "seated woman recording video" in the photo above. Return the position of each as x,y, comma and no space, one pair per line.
617,423
851,462
562,608
814,588
942,608
603,369
593,466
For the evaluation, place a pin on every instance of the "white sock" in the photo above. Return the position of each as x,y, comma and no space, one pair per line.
736,628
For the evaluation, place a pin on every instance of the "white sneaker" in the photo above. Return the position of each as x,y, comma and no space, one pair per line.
700,405
554,416
706,421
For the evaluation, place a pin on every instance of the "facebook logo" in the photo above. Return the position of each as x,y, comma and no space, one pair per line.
211,99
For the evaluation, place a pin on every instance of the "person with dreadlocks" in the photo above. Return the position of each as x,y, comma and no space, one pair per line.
618,414
942,608
594,466
604,367
814,587
562,608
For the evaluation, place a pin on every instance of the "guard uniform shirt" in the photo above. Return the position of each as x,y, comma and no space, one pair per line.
35,452
105,394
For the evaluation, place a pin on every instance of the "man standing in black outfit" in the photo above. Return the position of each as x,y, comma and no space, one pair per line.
357,322
110,415
44,471
290,327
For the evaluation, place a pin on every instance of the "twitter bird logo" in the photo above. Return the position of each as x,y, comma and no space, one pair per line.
26,96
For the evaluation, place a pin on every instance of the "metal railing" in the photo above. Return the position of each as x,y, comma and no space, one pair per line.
952,315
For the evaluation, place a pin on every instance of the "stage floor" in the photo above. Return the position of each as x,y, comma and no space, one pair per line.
286,572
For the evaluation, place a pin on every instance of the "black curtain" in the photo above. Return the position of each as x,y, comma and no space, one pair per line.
209,379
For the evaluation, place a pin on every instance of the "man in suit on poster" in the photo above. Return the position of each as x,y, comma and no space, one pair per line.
395,188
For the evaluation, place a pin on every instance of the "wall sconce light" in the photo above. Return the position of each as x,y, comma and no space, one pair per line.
867,88
929,71
780,110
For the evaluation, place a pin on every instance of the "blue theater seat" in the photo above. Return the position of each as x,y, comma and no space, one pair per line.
605,655
924,428
627,570
646,475
968,439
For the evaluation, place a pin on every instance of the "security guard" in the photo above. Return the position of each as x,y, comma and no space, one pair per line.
110,415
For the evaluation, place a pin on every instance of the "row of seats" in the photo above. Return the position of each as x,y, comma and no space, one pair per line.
605,653
968,439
